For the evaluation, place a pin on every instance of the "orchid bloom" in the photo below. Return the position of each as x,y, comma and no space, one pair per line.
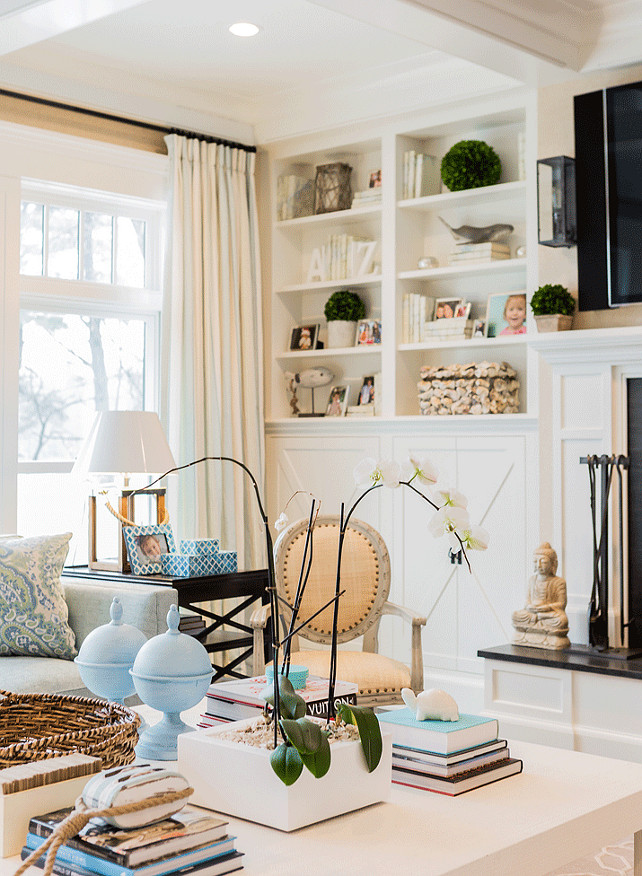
474,538
450,497
449,519
420,467
281,522
371,473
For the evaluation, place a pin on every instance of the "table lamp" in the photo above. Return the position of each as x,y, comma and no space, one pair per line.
123,443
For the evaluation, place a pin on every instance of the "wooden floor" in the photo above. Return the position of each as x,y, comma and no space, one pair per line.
616,860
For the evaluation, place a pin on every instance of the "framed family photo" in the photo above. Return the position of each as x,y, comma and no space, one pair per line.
145,546
367,391
506,314
369,332
304,337
338,401
445,308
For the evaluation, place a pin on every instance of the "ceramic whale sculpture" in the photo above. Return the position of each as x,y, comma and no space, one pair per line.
311,377
431,705
473,234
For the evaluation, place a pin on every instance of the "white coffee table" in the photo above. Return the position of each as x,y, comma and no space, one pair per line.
565,804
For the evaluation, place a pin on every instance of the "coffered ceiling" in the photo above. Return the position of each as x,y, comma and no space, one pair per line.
313,64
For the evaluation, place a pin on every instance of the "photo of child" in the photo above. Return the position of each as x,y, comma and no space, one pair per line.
338,401
366,394
150,547
506,314
515,314
304,337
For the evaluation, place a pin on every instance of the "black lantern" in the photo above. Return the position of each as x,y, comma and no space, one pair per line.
556,213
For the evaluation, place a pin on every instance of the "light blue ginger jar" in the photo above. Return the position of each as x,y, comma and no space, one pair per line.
171,673
107,655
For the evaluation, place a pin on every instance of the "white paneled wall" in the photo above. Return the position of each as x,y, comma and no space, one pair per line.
465,611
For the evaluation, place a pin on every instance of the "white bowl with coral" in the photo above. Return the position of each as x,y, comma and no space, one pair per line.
237,779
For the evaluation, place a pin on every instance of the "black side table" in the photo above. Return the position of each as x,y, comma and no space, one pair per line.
250,586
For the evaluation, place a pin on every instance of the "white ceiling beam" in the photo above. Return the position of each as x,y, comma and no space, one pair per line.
34,23
473,30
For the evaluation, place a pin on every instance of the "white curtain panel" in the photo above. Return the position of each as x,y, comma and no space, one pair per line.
212,343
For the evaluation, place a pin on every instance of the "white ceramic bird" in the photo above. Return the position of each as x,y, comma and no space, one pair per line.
431,705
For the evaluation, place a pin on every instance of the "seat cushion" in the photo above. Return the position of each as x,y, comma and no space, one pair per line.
374,673
41,675
33,611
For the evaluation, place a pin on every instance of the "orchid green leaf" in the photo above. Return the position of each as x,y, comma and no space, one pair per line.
369,731
304,734
286,763
319,762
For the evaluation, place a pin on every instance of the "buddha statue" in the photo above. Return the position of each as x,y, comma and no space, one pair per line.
543,623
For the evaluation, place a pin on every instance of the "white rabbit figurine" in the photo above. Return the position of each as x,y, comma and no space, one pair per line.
431,705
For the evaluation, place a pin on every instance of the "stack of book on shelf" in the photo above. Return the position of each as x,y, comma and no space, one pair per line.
474,253
360,410
192,841
449,757
294,197
190,622
235,700
447,329
421,174
415,310
345,255
366,197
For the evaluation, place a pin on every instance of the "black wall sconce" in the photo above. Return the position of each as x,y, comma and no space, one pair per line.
556,212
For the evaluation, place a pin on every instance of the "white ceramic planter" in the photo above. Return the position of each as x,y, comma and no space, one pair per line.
238,780
555,322
341,333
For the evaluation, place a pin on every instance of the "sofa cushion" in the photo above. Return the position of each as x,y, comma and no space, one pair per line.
42,675
33,611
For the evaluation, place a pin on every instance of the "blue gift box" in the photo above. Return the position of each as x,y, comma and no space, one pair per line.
196,546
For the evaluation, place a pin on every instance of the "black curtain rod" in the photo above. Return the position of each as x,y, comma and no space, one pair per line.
207,138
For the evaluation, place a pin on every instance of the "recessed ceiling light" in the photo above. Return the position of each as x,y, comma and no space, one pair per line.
244,29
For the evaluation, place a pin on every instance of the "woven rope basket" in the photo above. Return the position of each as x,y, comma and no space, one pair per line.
37,726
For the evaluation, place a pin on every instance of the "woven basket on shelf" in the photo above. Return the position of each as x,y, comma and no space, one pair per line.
38,726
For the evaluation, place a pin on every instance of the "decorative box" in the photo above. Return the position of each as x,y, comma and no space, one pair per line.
196,546
191,566
473,388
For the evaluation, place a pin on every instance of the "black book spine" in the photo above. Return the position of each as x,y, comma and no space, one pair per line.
44,828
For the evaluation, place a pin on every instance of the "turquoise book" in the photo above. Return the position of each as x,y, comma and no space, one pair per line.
438,737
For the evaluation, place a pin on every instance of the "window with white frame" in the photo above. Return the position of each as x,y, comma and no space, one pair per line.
90,275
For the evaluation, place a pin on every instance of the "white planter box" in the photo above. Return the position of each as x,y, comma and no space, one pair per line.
238,780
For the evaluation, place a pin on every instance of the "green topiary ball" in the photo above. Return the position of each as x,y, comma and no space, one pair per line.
346,305
470,164
552,298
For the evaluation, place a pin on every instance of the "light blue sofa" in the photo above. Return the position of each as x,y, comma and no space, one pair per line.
144,606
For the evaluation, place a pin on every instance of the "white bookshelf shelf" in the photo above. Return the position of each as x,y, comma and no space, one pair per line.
465,343
332,352
338,216
498,266
330,285
501,192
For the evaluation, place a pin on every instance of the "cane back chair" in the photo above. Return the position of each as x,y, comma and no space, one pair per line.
365,577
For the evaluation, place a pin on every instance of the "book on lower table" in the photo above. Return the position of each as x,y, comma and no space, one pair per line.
439,737
243,698
192,835
227,862
443,765
454,785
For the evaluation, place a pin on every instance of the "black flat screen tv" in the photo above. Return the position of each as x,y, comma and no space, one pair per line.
608,171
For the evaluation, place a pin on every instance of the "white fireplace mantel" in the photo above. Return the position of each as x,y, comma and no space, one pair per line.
614,346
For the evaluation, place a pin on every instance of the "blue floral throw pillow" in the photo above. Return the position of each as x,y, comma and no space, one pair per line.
33,611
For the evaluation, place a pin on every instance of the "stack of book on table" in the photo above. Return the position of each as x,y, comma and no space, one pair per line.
235,700
192,841
449,757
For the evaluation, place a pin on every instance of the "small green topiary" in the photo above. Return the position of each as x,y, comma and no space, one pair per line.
552,299
344,304
470,164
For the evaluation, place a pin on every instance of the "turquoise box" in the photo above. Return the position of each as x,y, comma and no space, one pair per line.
197,546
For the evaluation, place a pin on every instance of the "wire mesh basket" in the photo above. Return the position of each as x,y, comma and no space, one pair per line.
332,188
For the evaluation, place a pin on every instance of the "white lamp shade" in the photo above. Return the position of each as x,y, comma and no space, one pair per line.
131,442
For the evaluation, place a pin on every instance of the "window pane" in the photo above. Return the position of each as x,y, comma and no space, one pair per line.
130,252
70,367
97,247
32,218
63,243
